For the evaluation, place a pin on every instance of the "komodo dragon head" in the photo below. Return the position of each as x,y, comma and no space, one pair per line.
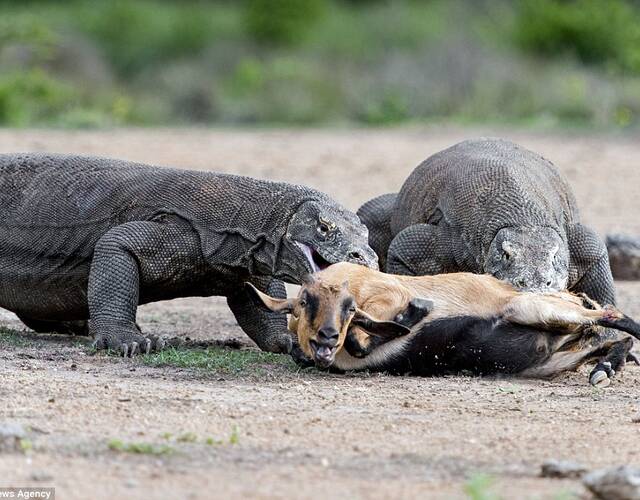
322,234
530,258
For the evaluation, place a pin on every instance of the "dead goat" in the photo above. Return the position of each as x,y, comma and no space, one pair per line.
351,318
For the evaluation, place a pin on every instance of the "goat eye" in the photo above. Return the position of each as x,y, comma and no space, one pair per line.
302,303
352,309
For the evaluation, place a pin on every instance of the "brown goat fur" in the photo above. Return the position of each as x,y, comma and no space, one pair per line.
348,300
383,296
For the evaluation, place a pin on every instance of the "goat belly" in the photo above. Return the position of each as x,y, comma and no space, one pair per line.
473,345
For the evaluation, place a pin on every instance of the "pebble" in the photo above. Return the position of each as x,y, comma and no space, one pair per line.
615,483
11,434
624,256
41,476
562,469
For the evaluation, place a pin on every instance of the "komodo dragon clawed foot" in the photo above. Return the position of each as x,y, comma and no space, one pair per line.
125,338
300,358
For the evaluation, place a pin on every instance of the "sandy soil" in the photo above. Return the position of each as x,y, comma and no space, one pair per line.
308,434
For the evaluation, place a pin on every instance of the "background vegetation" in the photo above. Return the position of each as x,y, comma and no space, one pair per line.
150,62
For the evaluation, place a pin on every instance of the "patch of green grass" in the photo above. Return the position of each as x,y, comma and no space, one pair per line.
12,338
478,487
565,495
234,438
192,437
187,437
139,448
26,445
219,360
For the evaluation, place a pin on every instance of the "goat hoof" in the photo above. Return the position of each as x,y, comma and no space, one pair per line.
602,374
599,379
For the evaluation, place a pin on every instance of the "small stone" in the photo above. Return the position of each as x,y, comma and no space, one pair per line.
74,366
324,462
636,419
616,483
11,436
51,400
41,476
562,469
624,256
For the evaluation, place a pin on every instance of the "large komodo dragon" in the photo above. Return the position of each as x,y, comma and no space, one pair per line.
89,238
489,206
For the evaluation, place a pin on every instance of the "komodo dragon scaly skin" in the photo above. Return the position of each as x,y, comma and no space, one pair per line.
490,206
91,238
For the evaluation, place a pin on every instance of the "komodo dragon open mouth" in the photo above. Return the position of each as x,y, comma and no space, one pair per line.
316,261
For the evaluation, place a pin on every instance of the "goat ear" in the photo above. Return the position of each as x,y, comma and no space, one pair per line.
307,279
383,329
283,306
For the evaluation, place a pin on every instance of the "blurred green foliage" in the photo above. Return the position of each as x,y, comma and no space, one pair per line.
594,31
28,97
81,63
282,21
137,34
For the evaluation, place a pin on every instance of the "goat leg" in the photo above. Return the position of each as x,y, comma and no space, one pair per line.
612,363
612,318
417,309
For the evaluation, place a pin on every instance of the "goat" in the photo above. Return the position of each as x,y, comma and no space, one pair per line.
446,323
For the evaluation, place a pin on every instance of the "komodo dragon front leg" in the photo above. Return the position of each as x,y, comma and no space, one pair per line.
267,329
130,261
143,261
589,270
421,249
376,215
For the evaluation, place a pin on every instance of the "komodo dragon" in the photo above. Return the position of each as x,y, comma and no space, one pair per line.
490,206
91,238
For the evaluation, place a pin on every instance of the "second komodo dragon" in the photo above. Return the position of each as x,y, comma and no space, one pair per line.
490,206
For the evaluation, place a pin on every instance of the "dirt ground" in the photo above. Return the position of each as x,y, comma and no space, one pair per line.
303,434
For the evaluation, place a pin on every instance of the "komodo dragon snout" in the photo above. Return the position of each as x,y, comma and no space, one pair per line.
530,258
321,235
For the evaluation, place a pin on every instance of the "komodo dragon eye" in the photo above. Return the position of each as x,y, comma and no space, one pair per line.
323,228
506,256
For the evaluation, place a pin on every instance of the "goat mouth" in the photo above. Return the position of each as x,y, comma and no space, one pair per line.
316,261
323,355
